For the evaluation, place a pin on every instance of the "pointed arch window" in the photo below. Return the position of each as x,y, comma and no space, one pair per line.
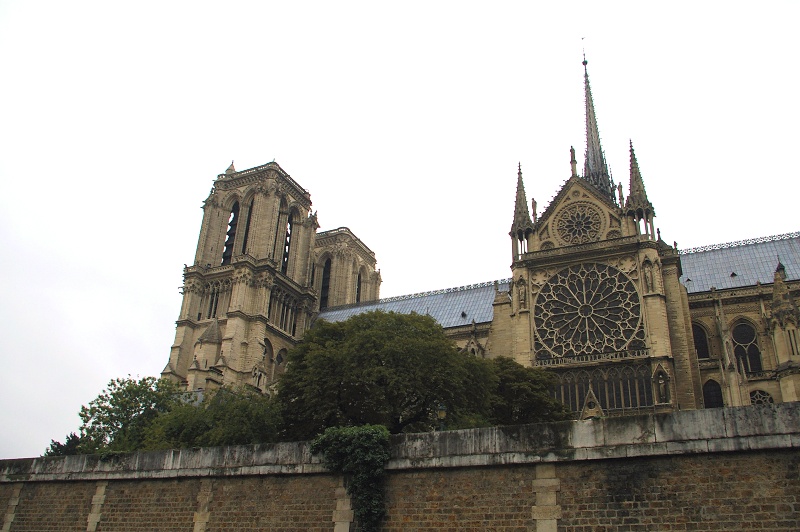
745,347
247,225
326,285
233,221
287,243
712,394
358,288
700,342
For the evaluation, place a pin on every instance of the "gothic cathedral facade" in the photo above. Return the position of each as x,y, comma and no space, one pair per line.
261,272
626,321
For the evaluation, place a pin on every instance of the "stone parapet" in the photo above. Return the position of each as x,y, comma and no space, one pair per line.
691,432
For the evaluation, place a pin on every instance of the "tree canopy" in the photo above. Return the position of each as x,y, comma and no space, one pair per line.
376,368
379,368
118,418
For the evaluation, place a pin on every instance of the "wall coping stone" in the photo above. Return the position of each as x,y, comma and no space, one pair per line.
741,429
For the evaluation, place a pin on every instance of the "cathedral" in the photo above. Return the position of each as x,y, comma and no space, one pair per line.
627,322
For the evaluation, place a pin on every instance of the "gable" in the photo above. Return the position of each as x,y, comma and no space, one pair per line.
577,215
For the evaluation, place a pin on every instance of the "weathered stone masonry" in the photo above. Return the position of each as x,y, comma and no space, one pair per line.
715,469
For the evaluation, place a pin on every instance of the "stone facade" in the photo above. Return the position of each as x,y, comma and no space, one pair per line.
627,322
720,469
260,274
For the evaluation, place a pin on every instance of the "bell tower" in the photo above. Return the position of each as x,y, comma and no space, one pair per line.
251,292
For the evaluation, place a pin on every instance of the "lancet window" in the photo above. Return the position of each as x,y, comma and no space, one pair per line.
617,388
283,311
745,347
287,243
712,394
700,341
233,221
326,284
247,225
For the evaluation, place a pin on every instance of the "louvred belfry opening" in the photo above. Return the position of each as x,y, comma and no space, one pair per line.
227,253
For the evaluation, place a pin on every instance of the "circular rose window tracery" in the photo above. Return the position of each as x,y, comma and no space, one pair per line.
579,224
587,309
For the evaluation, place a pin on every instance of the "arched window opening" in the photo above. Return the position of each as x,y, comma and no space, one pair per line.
760,397
247,225
281,358
326,285
287,243
523,242
712,394
795,349
746,348
267,352
233,221
358,288
700,342
213,301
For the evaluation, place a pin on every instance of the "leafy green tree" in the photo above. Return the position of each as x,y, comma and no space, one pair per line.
522,395
118,418
379,368
70,446
228,416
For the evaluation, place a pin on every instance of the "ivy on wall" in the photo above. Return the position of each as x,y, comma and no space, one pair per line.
360,454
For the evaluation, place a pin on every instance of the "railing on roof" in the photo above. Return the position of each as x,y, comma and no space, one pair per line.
419,294
634,353
759,240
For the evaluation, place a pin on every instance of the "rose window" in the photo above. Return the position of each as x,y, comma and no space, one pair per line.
588,309
579,224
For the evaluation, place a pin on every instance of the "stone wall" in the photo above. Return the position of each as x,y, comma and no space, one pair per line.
721,469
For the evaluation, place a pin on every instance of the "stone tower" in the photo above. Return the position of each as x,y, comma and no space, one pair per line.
595,293
261,273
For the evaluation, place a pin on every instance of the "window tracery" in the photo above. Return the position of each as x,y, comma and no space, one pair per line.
760,397
745,347
586,309
579,223
616,388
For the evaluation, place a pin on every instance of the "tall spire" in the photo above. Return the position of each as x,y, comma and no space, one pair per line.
595,170
637,196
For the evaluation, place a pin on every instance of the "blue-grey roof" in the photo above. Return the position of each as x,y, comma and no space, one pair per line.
445,306
751,260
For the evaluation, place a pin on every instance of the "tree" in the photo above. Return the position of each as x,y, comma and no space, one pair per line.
70,446
118,418
379,368
228,416
522,395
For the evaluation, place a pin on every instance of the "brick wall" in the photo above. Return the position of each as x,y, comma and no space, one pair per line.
722,469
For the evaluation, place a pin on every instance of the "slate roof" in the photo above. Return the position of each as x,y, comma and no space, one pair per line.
445,306
751,260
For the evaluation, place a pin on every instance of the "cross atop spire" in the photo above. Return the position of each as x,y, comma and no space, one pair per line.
595,169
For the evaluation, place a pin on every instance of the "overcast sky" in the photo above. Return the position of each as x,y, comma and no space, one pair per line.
405,121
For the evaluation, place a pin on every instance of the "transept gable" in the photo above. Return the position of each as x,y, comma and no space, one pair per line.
579,214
